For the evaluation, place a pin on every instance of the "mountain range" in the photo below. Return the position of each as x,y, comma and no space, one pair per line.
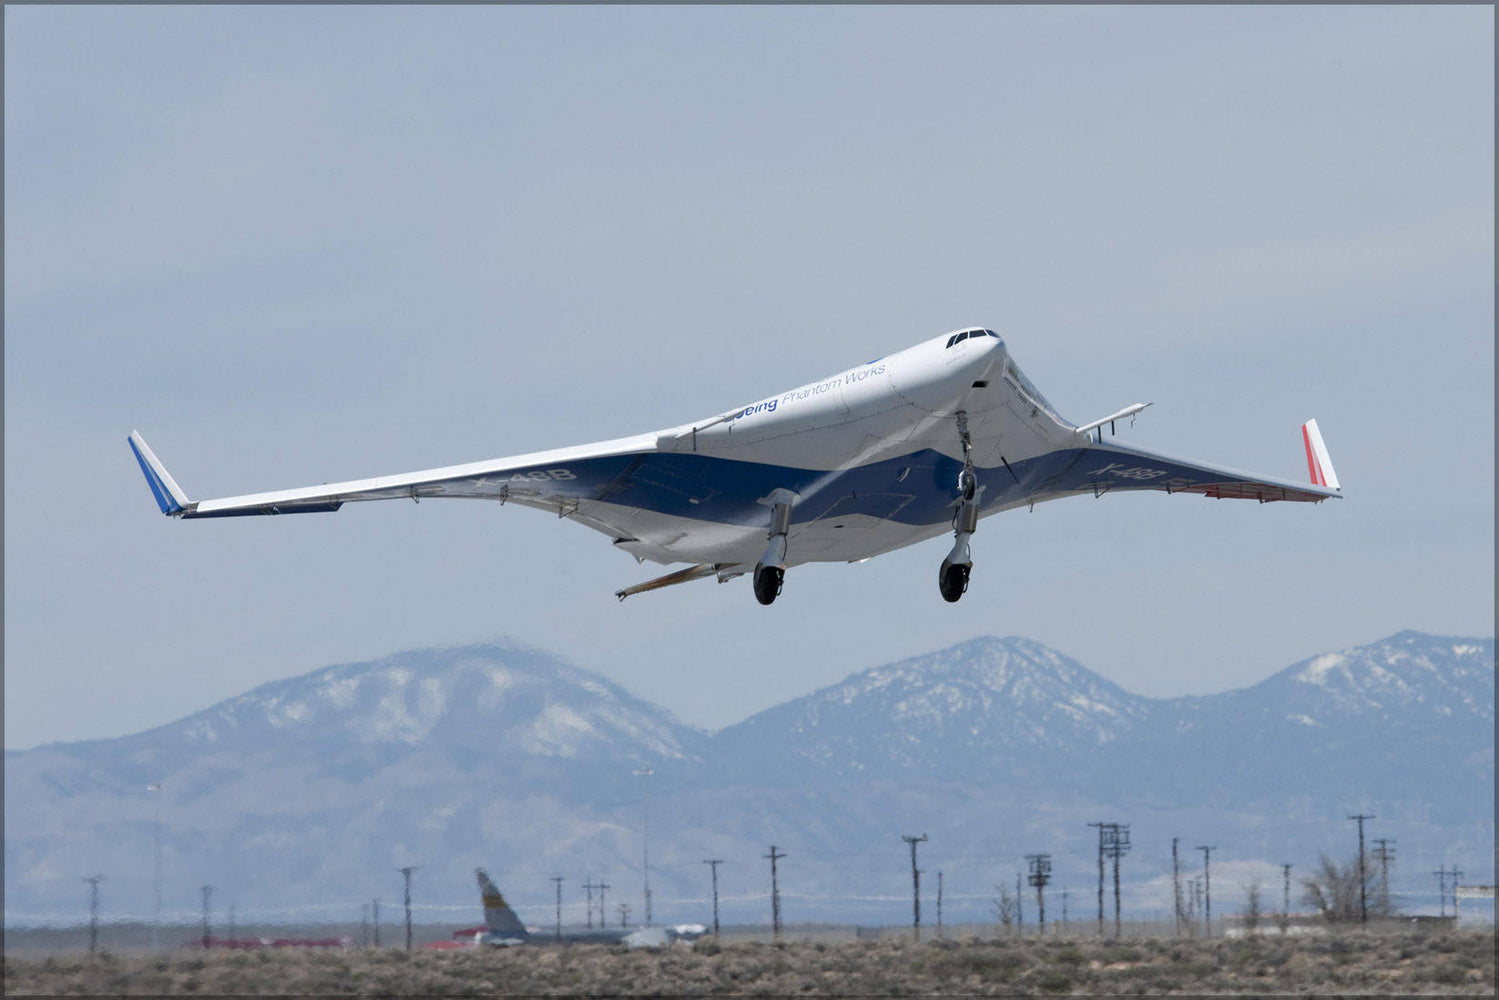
300,797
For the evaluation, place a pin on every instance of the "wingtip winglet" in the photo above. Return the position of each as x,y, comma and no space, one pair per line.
1318,461
169,496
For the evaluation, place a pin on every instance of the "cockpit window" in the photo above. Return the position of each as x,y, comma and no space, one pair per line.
958,338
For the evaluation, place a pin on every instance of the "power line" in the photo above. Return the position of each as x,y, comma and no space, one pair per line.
588,887
93,911
406,875
207,893
1207,888
557,879
775,891
603,887
1040,874
915,883
1285,904
1176,885
1101,827
1363,879
1384,854
714,863
645,838
1442,874
1118,846
939,903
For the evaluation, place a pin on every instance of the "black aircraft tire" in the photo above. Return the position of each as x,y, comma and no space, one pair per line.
768,580
953,582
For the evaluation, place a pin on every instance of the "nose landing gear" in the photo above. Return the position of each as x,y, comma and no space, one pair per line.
952,578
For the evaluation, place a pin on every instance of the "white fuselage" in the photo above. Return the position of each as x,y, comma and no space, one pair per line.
902,404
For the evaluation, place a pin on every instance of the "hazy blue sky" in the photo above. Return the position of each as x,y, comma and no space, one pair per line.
299,244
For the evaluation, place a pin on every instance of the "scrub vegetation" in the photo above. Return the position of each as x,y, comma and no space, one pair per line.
1352,963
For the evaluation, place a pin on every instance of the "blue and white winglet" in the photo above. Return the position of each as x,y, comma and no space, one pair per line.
169,496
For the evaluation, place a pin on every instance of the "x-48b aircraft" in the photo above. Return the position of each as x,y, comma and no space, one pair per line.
886,454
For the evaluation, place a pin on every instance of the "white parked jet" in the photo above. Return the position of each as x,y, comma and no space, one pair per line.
872,459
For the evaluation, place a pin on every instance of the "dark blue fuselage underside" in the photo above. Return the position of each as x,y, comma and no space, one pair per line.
915,489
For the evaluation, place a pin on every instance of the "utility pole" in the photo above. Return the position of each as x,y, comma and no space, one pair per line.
915,883
1040,875
1207,889
406,874
939,903
1101,827
207,892
1176,885
375,908
93,911
602,887
155,787
1285,899
624,914
775,892
1064,910
1442,874
1384,854
364,925
557,881
1019,908
1118,846
588,887
713,863
1363,879
645,837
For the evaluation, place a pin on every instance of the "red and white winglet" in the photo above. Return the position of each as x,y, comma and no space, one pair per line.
1318,463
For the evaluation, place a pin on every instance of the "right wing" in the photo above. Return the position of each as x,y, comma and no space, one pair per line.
559,480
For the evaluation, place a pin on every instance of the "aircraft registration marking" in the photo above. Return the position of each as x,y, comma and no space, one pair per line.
1137,472
541,476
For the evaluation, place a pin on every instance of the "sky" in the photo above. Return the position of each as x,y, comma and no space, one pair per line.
296,245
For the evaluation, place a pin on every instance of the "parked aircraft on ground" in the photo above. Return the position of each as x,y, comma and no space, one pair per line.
884,455
503,929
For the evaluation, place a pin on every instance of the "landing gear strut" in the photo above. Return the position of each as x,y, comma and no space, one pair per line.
770,571
952,578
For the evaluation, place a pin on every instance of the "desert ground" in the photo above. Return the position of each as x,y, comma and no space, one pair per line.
1388,962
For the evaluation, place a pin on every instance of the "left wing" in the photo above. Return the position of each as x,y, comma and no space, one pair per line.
1104,467
562,480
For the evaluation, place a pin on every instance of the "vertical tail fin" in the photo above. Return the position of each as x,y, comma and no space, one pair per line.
1318,462
498,916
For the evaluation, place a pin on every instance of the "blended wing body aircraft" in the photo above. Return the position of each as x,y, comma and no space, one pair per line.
884,455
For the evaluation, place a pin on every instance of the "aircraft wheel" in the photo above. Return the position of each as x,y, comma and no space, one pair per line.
768,580
953,582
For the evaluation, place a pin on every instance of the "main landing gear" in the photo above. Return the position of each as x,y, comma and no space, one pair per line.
770,571
952,578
